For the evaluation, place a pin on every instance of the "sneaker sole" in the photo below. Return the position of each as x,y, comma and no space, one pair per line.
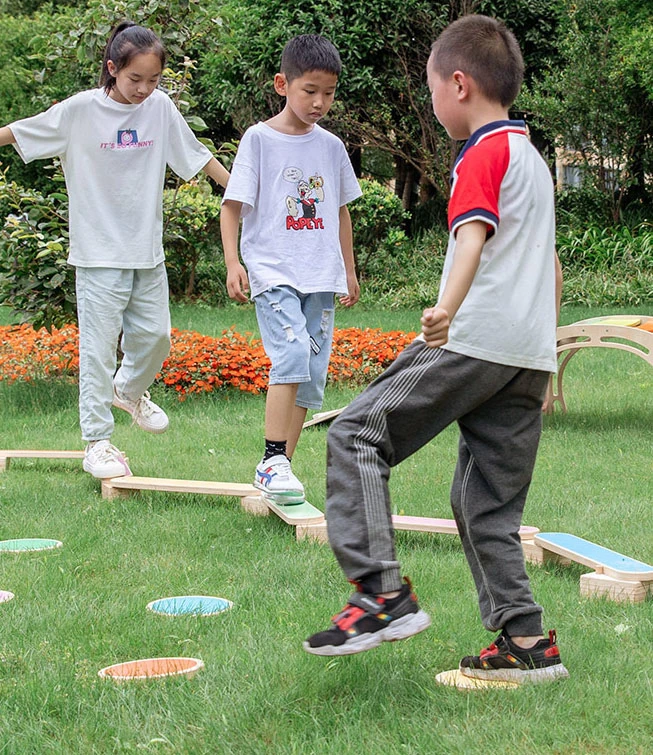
399,629
529,676
125,472
281,498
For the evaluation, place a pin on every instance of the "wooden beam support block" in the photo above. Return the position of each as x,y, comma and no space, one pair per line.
316,532
255,504
620,590
110,493
535,554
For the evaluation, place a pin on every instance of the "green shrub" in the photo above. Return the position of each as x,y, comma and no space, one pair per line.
375,216
607,266
602,249
191,236
579,206
35,279
39,285
406,272
31,80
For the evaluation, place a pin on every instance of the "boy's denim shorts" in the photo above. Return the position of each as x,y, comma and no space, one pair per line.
297,331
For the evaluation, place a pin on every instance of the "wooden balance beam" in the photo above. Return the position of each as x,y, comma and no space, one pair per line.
308,521
444,526
615,576
6,456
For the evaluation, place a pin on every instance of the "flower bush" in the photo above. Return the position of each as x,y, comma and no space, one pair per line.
197,363
28,354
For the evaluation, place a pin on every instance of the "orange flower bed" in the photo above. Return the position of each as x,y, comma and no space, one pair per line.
197,363
28,354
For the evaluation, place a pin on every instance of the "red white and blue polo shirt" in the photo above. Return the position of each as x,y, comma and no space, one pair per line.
509,314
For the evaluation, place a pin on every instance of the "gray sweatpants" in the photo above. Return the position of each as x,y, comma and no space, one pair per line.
499,413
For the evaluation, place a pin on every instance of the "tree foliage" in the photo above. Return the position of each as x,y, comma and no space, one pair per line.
598,105
383,101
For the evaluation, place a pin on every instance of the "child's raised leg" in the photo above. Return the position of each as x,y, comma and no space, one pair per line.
145,345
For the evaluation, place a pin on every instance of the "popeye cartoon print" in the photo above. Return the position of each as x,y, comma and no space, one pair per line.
303,205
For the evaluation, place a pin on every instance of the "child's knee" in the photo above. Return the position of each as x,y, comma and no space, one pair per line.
161,342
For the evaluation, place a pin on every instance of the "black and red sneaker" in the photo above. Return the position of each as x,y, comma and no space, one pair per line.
507,662
367,621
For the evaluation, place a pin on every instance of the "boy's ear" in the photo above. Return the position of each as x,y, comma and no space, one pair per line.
463,84
280,84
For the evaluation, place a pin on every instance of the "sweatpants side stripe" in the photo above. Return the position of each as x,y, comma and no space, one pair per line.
372,432
472,544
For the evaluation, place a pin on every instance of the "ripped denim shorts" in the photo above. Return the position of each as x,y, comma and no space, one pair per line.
297,330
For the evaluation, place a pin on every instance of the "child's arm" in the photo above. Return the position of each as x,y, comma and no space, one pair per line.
6,136
217,172
347,247
547,406
467,254
237,282
558,285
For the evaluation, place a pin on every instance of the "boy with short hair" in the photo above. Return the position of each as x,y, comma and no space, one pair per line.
291,182
483,359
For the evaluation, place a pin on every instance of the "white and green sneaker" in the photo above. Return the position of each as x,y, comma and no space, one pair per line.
275,478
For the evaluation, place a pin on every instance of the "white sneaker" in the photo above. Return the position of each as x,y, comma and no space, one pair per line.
145,413
103,460
275,478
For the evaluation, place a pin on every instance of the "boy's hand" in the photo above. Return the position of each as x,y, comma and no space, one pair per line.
435,326
353,291
238,283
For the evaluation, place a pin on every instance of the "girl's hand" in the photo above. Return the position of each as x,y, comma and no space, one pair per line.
238,283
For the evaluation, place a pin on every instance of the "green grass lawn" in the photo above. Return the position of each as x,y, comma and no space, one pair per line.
82,607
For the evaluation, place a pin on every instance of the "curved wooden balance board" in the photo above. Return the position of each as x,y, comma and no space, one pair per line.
6,456
307,520
631,333
321,417
615,576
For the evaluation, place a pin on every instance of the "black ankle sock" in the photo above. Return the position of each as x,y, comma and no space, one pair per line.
274,448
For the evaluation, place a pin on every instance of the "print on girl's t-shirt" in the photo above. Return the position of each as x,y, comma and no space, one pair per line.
127,136
302,206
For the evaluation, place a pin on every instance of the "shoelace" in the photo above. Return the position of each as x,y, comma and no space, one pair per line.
282,469
143,408
108,452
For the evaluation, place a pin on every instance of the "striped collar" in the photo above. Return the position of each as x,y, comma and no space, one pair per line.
490,129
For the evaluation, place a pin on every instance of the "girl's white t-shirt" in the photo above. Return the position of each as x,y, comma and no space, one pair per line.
292,189
114,158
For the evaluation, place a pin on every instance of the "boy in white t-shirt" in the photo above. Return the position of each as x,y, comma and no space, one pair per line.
483,360
291,182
